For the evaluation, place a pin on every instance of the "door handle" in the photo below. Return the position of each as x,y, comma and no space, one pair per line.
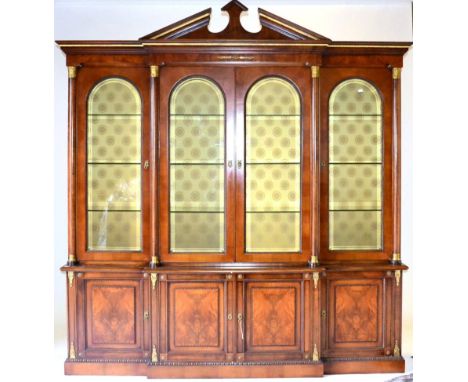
239,319
239,163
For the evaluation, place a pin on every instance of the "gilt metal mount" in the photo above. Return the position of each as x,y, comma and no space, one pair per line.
154,71
154,278
315,71
396,73
315,354
154,355
316,277
71,71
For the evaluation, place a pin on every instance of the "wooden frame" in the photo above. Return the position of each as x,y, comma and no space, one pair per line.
245,78
382,80
86,81
222,77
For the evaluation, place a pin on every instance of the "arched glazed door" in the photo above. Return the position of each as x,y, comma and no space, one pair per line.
273,165
356,172
197,172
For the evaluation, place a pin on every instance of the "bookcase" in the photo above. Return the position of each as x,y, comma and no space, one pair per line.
234,203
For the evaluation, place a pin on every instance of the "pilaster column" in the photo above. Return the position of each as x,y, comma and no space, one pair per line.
314,159
396,170
154,75
72,260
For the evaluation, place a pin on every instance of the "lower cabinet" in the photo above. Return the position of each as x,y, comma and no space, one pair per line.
223,323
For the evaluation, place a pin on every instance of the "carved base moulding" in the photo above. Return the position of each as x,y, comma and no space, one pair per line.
200,370
237,370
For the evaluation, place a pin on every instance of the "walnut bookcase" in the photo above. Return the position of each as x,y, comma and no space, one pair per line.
234,203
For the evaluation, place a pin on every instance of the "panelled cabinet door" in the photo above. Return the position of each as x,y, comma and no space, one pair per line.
112,181
356,156
111,320
273,169
273,319
195,315
359,315
196,169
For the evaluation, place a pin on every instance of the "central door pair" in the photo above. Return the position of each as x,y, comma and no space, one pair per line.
234,164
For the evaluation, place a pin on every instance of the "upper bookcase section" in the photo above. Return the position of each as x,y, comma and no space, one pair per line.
276,34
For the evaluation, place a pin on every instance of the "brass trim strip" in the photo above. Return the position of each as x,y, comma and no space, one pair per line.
228,44
223,44
287,26
396,73
236,58
180,26
99,45
368,46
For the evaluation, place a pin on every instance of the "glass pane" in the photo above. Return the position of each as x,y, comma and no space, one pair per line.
273,139
355,167
197,188
273,167
114,96
197,232
114,167
114,138
273,232
273,188
197,167
355,139
355,186
114,230
197,96
114,187
355,97
273,96
351,230
197,139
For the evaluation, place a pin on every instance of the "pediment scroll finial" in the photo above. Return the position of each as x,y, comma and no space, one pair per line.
234,9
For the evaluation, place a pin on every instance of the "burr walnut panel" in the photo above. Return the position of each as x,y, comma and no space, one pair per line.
356,313
273,316
113,314
196,317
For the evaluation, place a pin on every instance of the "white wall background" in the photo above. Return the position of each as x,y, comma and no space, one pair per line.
357,20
